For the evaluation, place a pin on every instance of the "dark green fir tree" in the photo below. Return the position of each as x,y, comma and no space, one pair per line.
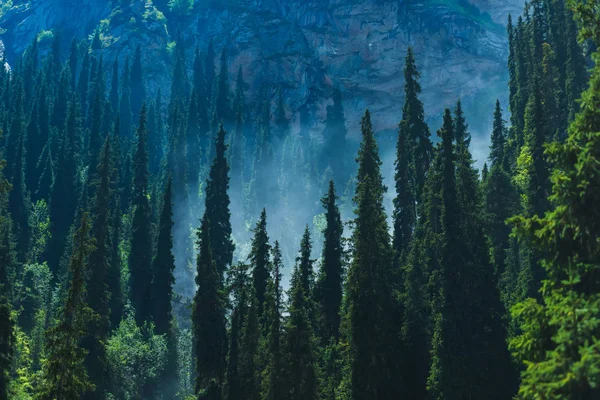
208,320
140,256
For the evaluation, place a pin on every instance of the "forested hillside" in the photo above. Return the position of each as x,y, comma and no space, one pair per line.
200,243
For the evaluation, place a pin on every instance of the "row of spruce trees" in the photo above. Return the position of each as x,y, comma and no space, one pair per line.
97,211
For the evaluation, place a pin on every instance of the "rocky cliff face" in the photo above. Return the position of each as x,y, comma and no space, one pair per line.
306,47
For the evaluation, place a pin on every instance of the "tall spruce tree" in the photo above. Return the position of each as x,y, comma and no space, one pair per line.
413,125
140,256
209,324
260,261
405,214
373,336
163,267
97,289
65,376
501,198
328,290
217,206
63,199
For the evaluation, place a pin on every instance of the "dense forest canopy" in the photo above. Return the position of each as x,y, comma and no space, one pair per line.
193,243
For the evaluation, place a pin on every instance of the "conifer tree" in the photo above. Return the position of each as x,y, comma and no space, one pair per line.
413,125
140,256
305,263
163,279
163,267
65,376
63,197
478,273
501,198
97,289
371,330
415,332
208,318
328,290
537,182
405,215
217,206
273,383
300,342
260,261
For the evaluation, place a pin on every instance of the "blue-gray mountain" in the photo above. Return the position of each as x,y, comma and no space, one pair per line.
303,47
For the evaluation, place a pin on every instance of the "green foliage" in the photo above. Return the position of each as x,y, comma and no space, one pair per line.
65,377
559,341
135,356
208,317
300,344
329,285
39,221
426,299
140,257
181,7
373,337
